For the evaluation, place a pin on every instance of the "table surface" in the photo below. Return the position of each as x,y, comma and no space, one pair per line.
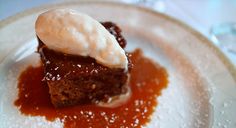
199,14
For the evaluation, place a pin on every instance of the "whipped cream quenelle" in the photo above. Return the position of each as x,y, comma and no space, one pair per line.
71,32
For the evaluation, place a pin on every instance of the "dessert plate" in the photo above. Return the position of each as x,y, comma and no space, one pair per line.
201,92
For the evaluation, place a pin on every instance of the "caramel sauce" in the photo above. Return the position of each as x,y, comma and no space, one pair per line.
147,81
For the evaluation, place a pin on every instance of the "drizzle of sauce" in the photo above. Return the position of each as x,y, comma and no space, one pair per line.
146,82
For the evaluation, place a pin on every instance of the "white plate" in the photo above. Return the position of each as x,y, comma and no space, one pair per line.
202,83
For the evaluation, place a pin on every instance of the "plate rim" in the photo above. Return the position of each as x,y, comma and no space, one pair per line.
229,65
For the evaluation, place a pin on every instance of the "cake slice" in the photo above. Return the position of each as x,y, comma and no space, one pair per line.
78,79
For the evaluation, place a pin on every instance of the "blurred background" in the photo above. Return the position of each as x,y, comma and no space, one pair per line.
216,19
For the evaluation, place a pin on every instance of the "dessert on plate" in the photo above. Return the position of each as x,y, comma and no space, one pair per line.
84,61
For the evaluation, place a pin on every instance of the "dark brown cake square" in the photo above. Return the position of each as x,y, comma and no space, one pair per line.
78,80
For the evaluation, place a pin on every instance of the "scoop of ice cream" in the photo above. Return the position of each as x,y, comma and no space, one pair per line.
71,32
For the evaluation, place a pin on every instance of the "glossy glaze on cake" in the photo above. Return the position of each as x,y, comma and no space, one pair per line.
76,79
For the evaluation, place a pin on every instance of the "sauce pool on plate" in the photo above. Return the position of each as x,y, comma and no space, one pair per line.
146,82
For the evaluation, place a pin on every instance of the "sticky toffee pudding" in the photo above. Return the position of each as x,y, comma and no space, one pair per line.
83,90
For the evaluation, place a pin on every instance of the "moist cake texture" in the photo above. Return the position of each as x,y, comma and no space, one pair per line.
74,79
